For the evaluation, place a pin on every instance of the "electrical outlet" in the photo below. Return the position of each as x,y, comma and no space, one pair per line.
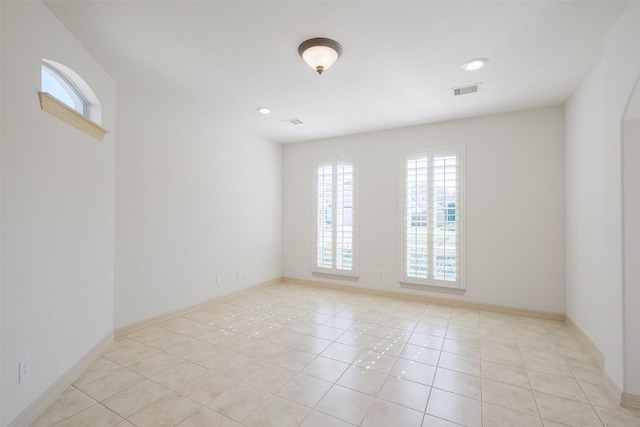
381,274
239,274
24,370
219,279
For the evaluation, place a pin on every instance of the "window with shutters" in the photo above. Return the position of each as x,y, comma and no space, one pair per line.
432,227
335,217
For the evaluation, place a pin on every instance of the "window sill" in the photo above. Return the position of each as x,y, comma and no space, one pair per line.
337,276
68,115
452,289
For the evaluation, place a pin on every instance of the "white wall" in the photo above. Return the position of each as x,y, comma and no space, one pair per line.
57,212
593,186
194,199
514,205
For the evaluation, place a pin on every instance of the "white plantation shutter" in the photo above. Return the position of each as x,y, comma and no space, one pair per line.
432,222
335,217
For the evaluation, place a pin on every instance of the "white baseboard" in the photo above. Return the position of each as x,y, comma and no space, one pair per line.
431,299
168,316
34,410
630,401
587,343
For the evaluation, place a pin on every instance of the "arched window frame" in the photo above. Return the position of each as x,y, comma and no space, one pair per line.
90,118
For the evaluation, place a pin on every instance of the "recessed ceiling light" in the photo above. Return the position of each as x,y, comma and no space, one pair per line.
263,110
474,64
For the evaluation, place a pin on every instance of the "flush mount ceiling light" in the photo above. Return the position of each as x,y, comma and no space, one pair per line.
263,110
320,53
474,64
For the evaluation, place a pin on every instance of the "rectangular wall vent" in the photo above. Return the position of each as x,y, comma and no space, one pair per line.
464,90
294,121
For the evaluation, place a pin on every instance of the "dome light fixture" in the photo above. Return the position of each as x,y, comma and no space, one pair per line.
320,53
263,110
474,64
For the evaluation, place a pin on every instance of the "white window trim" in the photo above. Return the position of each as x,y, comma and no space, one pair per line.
459,285
334,272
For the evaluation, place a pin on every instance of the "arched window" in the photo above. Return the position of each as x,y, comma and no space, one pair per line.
58,85
67,96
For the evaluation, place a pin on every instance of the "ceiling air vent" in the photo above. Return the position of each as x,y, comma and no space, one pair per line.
294,121
464,90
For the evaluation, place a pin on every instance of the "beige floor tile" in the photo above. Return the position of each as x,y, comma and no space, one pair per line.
133,399
363,380
420,354
598,395
133,354
503,343
102,367
558,386
105,387
264,350
505,374
239,343
339,322
325,369
462,348
565,411
342,352
216,336
457,382
345,404
311,344
293,359
431,421
284,337
508,396
94,416
385,414
386,346
239,367
304,390
424,340
269,377
458,334
120,344
406,393
502,357
327,332
618,417
205,417
277,412
239,401
376,361
70,402
179,374
374,347
546,364
155,364
168,411
318,419
213,357
453,407
456,362
497,416
207,387
189,348
414,371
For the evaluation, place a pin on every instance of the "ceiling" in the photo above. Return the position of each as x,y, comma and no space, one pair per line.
400,59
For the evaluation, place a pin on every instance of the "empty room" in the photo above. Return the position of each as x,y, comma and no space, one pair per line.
319,213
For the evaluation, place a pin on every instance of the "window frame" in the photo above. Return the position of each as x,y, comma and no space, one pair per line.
431,283
333,271
86,105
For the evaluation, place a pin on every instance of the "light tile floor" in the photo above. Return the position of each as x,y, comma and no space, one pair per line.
290,355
